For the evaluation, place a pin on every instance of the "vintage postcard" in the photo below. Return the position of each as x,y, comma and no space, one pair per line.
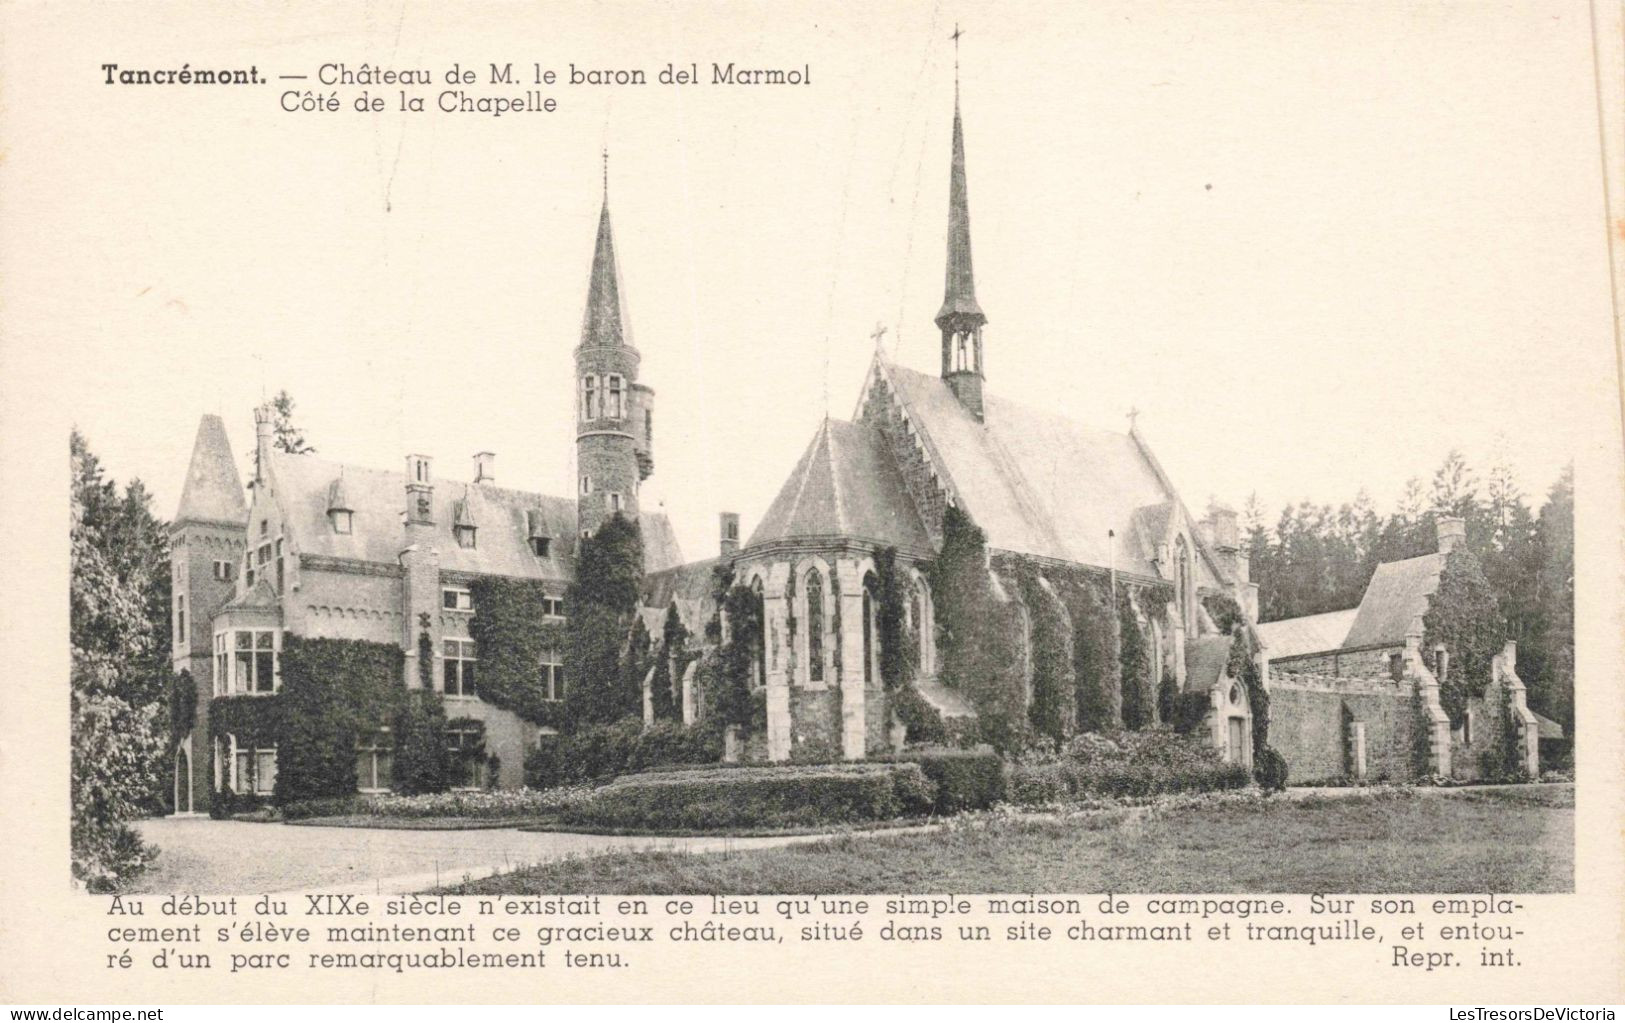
805,502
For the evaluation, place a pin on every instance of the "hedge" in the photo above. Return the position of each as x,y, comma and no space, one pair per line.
521,804
757,797
1146,763
603,751
965,779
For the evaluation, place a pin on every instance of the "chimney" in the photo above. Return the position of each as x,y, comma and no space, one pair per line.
419,491
1452,534
485,470
730,533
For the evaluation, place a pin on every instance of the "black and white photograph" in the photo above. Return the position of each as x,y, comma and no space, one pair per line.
778,456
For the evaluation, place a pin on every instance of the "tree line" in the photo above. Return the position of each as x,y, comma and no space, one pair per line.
1316,558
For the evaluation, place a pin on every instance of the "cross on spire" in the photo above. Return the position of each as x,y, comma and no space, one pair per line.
1133,416
879,332
606,173
955,37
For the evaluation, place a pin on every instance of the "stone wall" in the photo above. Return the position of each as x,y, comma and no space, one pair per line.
1374,663
1313,719
815,715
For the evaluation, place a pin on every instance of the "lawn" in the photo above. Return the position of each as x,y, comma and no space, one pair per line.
1469,840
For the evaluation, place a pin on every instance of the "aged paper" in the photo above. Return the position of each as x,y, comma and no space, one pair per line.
1003,585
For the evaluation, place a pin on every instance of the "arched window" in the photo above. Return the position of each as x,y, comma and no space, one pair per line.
815,625
1182,580
758,608
589,397
871,630
790,625
923,622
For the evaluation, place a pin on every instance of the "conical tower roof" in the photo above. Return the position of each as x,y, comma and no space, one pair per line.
213,491
605,321
959,292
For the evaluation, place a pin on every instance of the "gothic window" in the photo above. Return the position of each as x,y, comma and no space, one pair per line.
180,619
279,564
615,396
1182,581
758,608
871,637
589,397
815,626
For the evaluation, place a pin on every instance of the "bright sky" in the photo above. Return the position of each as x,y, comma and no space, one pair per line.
1317,245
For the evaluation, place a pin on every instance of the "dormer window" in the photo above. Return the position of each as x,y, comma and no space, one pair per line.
341,520
462,523
465,536
339,512
540,545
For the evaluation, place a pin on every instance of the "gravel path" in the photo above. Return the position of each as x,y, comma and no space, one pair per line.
216,857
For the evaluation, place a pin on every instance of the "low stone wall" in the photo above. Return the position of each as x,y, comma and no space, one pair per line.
1317,723
1371,663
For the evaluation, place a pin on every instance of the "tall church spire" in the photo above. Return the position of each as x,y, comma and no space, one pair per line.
605,321
960,319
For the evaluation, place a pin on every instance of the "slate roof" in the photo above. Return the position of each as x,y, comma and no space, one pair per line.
302,484
1397,594
605,321
689,587
1546,728
1310,634
1205,661
959,289
845,485
1040,484
213,491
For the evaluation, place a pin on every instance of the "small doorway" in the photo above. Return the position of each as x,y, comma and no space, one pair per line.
1236,751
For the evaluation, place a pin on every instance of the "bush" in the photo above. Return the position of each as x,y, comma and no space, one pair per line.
604,751
1146,763
964,779
500,805
1270,768
756,797
227,804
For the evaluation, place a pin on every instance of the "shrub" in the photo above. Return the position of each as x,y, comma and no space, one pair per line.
1270,768
515,804
964,779
817,750
756,797
603,751
1146,763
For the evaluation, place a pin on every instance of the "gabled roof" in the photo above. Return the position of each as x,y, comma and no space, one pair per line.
1396,596
1546,728
213,491
1206,658
1310,634
301,484
845,485
689,587
1038,483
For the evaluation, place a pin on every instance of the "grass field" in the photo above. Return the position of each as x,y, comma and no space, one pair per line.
1503,840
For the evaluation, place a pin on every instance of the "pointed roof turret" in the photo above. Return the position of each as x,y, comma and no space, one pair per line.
605,321
959,291
213,491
